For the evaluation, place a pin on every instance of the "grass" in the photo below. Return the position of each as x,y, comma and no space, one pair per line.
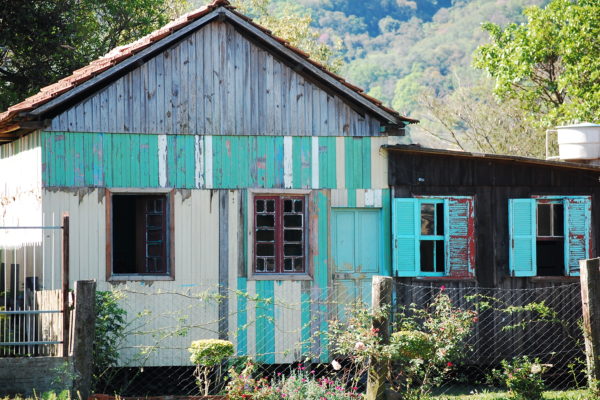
550,395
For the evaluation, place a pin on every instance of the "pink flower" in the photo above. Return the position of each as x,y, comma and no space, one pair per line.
443,287
336,365
360,346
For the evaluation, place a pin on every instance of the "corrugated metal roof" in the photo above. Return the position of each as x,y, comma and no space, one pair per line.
9,120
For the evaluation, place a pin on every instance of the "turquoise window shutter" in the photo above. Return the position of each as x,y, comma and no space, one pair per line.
577,232
405,233
522,231
460,236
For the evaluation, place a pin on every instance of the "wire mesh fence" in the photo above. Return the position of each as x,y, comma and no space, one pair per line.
287,330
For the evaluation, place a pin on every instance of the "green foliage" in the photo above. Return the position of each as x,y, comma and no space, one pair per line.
299,385
551,64
207,354
44,40
522,377
109,333
423,348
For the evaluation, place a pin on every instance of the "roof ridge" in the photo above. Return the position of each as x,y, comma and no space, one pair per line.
120,53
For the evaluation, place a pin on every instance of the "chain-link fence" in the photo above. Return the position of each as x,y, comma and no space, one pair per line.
283,327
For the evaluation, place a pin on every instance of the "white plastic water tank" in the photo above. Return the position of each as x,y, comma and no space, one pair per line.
579,142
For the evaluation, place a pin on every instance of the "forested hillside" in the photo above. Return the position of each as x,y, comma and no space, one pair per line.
413,54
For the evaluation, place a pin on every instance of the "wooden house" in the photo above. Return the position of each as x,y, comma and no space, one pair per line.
490,220
208,155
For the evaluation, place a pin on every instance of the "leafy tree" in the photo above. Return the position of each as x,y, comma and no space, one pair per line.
293,23
470,118
551,65
44,40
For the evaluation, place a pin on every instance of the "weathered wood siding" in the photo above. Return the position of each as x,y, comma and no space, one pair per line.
492,183
212,232
75,159
216,82
20,190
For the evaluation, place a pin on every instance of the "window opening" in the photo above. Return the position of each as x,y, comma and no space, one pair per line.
550,244
139,234
432,249
279,234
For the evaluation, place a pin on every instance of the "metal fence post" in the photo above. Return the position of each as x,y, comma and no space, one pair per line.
590,300
381,297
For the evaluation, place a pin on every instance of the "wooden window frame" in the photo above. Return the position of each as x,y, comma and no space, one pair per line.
250,272
170,246
435,237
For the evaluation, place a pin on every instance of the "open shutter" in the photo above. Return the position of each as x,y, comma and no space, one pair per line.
522,230
577,232
405,228
460,237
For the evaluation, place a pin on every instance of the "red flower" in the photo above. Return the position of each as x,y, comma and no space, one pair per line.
449,364
443,287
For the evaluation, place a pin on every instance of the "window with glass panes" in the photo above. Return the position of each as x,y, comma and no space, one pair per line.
432,236
279,234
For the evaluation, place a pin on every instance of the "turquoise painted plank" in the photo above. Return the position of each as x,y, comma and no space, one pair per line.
306,152
87,160
117,160
262,161
190,162
144,160
135,177
386,212
107,160
46,158
254,161
321,268
153,160
522,230
69,160
278,155
349,165
271,147
242,317
218,161
331,163
351,197
97,156
172,160
297,162
59,166
78,159
366,162
226,175
265,318
127,160
243,154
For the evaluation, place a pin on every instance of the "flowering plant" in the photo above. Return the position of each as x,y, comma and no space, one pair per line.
207,354
522,377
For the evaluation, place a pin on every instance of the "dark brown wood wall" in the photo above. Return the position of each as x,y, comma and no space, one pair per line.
492,183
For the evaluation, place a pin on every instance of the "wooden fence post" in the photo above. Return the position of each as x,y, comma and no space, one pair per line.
381,297
590,300
65,285
83,336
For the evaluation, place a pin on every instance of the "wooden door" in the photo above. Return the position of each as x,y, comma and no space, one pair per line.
356,253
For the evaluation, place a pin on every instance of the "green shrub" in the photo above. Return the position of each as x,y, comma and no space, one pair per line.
207,354
523,378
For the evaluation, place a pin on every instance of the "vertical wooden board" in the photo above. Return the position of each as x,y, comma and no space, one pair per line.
305,107
107,159
359,195
239,58
176,88
173,170
246,76
208,161
97,158
149,93
278,162
305,162
87,159
162,150
130,161
143,156
340,162
277,97
209,88
218,161
261,161
386,215
137,171
116,159
379,163
198,161
365,157
251,318
167,125
265,327
198,87
285,100
187,102
314,162
229,107
269,94
321,267
287,321
232,266
153,162
217,69
46,157
254,87
135,100
296,162
352,163
160,94
305,318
